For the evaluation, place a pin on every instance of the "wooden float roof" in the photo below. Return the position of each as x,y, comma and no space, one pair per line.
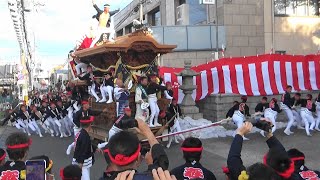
139,41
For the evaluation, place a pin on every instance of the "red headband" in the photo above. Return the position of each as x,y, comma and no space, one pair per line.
123,160
225,170
297,158
86,121
286,174
187,149
20,146
3,157
84,102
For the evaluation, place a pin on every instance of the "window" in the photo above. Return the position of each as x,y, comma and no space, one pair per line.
156,17
197,12
297,7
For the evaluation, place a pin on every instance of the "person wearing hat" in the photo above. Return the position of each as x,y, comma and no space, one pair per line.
152,90
301,171
121,94
307,110
106,88
270,113
141,98
192,169
17,147
240,111
84,151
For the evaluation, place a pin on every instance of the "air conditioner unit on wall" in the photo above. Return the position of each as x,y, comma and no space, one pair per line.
182,14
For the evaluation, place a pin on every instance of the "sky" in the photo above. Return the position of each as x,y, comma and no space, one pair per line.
57,26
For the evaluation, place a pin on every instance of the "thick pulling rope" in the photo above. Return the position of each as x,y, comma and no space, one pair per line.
223,121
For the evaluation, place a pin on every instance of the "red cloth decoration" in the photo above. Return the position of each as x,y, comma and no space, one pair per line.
86,43
187,149
3,157
286,174
20,146
84,102
123,160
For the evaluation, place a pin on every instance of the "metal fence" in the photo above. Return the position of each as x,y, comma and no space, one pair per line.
190,38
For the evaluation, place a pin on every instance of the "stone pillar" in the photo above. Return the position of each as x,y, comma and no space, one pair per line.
188,105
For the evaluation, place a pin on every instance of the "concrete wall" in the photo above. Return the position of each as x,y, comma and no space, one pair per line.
176,59
215,107
297,35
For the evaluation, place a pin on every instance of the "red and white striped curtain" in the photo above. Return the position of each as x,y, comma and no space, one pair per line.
252,76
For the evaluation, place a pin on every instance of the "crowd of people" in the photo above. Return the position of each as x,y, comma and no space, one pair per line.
304,112
123,156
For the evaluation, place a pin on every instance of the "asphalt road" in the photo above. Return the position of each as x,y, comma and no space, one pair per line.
214,154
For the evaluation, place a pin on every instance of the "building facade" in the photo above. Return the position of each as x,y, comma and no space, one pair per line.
245,27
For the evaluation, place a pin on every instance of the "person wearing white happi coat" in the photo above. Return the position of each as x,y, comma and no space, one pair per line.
307,108
141,98
152,90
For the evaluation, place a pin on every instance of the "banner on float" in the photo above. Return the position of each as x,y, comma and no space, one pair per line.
253,76
72,66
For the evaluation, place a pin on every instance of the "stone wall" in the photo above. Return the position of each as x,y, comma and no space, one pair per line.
244,22
215,107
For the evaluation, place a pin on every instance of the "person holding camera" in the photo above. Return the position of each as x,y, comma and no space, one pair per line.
124,154
276,163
